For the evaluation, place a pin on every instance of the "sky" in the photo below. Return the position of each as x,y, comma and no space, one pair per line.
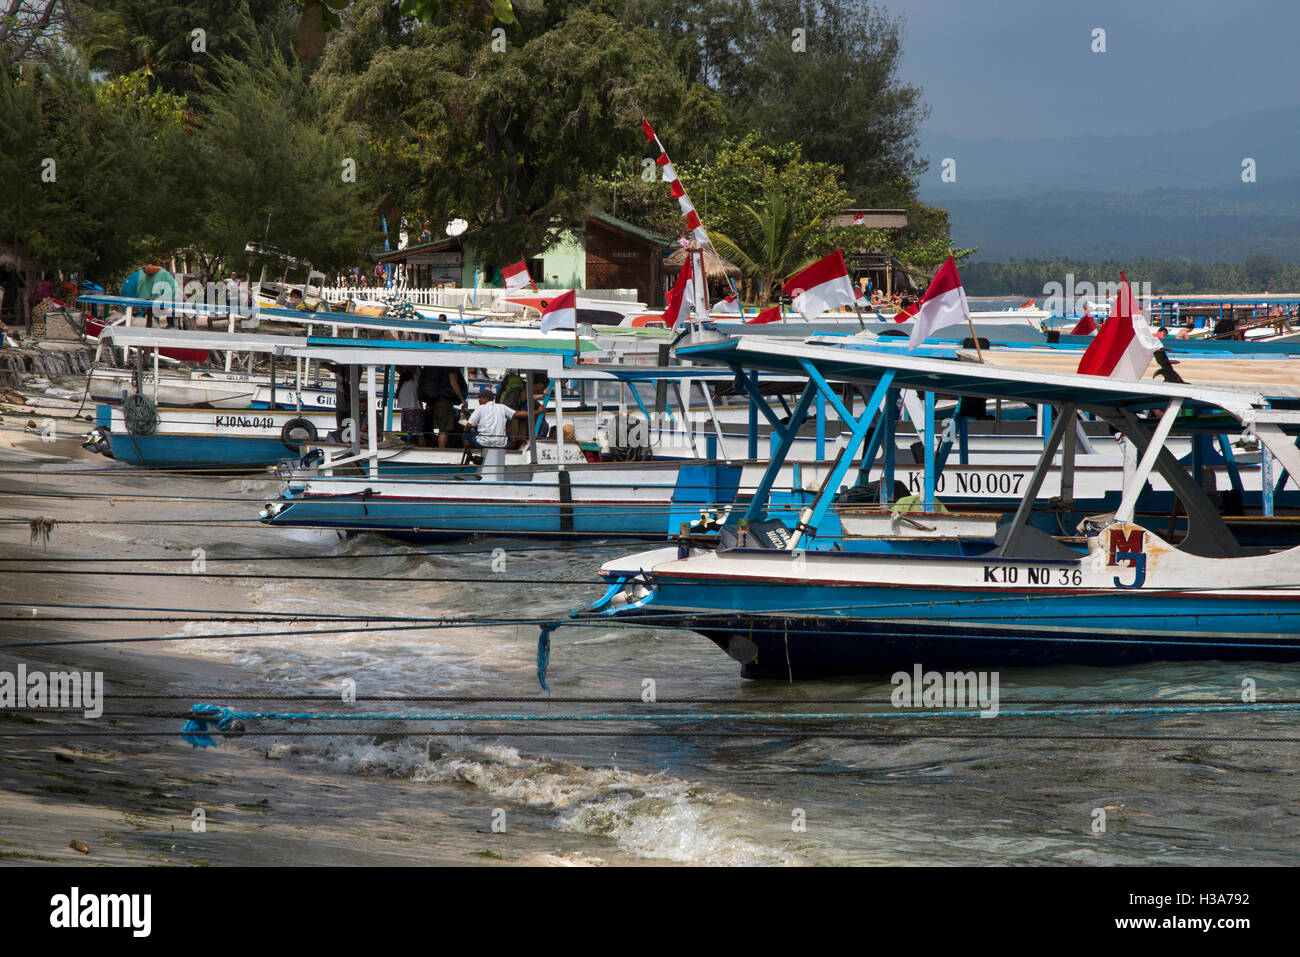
1024,69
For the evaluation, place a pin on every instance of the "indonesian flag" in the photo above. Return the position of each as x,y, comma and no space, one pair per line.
1125,345
770,314
942,304
1086,326
730,304
1028,303
516,276
681,298
823,285
860,219
561,312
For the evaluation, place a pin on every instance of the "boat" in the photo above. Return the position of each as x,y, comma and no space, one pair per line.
796,588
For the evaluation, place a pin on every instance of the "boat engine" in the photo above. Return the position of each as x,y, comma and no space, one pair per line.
97,440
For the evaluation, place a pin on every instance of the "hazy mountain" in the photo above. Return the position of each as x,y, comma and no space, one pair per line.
1161,195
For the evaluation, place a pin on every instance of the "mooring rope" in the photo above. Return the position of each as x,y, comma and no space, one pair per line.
229,721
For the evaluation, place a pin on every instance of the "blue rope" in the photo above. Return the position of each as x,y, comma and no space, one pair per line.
544,652
224,716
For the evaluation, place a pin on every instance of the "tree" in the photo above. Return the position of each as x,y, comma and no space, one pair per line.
766,242
266,167
79,164
820,73
26,27
502,136
158,38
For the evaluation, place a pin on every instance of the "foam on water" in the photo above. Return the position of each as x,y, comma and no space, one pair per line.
654,816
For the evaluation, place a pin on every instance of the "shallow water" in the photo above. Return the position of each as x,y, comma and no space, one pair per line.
671,794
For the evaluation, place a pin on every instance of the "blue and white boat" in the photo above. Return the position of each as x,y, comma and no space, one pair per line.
815,584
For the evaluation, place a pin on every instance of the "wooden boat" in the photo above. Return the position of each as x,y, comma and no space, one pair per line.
790,590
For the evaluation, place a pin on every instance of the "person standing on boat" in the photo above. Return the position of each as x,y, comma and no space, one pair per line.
488,424
408,400
443,390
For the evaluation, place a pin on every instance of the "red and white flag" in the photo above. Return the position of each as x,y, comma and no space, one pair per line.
730,304
1086,326
669,175
681,298
1125,345
823,285
942,304
770,314
561,312
516,276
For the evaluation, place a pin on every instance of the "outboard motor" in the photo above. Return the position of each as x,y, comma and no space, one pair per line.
97,440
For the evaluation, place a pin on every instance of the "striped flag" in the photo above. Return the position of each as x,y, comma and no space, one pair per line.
693,224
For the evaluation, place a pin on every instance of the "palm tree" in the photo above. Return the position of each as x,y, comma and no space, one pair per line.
136,36
768,244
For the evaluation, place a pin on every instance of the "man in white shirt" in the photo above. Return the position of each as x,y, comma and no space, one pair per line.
489,421
489,425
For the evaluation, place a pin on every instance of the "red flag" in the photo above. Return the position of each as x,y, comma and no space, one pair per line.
771,314
676,189
1124,346
942,304
823,285
663,158
649,133
1086,326
561,312
1028,303
692,220
681,298
516,276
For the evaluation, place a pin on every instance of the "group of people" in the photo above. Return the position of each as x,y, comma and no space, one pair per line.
430,399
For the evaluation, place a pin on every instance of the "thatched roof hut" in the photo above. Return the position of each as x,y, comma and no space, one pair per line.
715,267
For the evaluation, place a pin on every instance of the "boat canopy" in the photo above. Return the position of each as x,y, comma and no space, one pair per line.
860,363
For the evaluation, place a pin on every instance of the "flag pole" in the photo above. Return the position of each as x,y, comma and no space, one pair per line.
974,338
979,354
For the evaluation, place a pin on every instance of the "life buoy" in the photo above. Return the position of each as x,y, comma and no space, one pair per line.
298,431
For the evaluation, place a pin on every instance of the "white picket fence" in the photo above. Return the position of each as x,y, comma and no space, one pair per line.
452,297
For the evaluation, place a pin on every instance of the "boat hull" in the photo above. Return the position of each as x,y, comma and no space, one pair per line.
802,647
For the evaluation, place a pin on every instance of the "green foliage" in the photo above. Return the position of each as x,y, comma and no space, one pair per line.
500,137
834,91
265,166
156,39
765,207
766,241
79,170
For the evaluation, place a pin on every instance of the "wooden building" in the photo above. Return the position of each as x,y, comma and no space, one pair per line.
600,252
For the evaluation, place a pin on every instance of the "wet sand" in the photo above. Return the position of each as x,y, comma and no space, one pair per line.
131,800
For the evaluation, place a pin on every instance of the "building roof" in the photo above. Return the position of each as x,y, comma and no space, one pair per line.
874,218
623,226
715,267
